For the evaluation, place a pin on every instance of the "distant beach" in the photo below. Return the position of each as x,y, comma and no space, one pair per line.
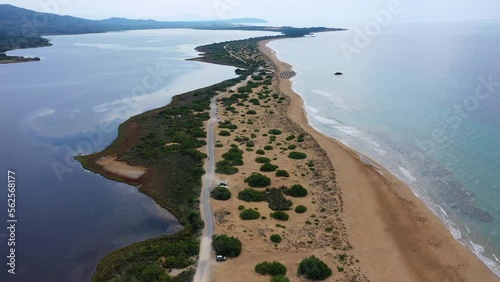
395,236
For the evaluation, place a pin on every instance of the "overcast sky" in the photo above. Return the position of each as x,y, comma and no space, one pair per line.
293,12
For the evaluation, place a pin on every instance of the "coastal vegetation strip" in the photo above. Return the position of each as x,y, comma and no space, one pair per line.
166,144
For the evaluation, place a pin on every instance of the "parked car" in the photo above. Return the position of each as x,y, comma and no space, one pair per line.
224,184
220,258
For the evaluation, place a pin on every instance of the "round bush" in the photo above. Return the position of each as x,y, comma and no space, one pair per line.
297,191
241,207
290,138
274,131
221,193
280,278
258,180
314,269
270,268
251,112
280,215
267,167
226,246
260,152
268,147
276,238
262,160
292,147
297,155
224,133
249,214
300,209
251,195
282,173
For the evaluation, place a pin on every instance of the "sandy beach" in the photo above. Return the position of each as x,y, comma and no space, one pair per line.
393,234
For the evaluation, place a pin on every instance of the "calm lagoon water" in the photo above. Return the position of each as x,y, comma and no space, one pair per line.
72,102
408,101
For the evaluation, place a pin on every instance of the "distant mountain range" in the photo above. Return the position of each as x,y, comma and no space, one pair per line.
22,28
14,20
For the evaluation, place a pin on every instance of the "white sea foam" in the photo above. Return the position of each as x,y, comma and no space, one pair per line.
495,257
407,174
325,120
337,101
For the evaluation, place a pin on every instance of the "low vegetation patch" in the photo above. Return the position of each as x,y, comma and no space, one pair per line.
277,201
274,131
282,173
262,160
258,180
226,246
297,155
300,209
221,193
276,238
270,268
268,167
252,195
280,278
249,214
296,191
224,133
314,269
280,215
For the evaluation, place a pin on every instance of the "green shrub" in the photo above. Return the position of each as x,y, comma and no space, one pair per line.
221,193
296,191
260,152
267,167
280,278
224,133
268,147
262,160
270,268
251,195
227,170
251,112
314,269
277,201
241,207
329,229
274,131
249,214
280,215
282,173
297,155
258,180
290,138
226,246
292,147
219,145
276,238
234,154
300,209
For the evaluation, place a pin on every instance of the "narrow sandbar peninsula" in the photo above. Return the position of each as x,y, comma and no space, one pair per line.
288,203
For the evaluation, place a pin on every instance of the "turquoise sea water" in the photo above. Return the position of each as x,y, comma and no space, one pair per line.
408,100
71,102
